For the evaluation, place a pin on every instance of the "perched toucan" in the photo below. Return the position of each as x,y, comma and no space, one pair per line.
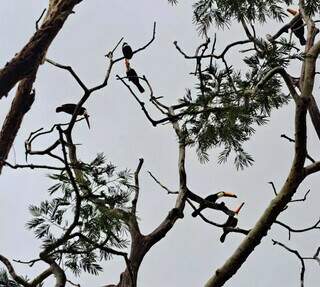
127,51
133,77
231,222
70,108
297,26
211,198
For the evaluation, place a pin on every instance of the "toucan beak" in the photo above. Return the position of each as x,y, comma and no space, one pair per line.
292,11
86,116
229,194
237,210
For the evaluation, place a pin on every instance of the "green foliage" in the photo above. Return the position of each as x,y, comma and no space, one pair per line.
173,2
312,7
102,215
228,106
223,12
226,111
5,281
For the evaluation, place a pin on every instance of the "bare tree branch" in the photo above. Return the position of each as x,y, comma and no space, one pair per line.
290,229
303,267
34,283
13,273
71,71
137,187
32,166
292,140
163,186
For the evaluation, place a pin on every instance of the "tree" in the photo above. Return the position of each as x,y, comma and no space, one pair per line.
91,205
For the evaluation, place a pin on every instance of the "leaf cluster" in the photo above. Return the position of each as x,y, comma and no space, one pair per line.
5,281
227,109
223,12
105,193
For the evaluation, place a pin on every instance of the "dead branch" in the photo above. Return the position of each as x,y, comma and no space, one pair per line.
303,267
290,229
33,166
292,140
137,187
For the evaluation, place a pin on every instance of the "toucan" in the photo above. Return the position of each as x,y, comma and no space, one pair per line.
231,222
133,77
127,51
211,198
70,108
297,26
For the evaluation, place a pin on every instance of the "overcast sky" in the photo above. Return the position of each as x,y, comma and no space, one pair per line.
191,251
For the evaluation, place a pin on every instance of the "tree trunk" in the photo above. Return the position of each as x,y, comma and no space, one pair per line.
139,248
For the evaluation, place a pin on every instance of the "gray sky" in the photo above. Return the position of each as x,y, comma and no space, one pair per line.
191,251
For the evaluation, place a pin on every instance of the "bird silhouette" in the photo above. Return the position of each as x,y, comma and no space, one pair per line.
231,222
127,51
212,199
133,77
70,108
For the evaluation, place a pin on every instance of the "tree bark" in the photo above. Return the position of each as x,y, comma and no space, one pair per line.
21,104
24,66
27,61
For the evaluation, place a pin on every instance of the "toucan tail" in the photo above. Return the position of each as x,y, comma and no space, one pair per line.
141,89
302,41
223,237
58,109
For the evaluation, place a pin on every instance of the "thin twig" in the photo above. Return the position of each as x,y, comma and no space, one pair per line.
71,71
163,186
292,140
273,187
301,199
39,19
137,187
32,166
30,262
290,229
303,268
73,284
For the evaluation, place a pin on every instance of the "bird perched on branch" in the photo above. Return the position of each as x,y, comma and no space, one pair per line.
212,199
127,51
70,108
133,77
297,26
231,222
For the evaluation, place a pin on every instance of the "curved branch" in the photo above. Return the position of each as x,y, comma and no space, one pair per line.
33,166
105,81
71,71
137,187
282,72
290,229
303,267
143,47
312,168
177,212
212,55
13,273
